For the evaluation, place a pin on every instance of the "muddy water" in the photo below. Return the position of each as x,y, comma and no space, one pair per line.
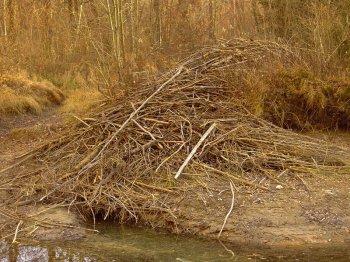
135,244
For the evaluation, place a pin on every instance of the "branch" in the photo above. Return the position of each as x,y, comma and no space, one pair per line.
194,150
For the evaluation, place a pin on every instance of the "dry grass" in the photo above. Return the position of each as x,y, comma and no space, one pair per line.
24,134
293,97
80,101
300,100
20,95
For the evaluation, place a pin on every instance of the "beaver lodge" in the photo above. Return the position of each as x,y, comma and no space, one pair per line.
184,131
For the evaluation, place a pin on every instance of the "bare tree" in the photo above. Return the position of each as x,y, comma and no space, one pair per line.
4,24
156,23
212,18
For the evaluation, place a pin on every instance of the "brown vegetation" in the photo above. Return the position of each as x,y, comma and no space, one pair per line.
113,44
295,98
298,99
80,101
19,94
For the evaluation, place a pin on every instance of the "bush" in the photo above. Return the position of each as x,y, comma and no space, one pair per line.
19,95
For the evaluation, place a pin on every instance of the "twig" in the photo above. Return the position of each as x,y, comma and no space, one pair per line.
16,164
16,232
227,249
80,120
43,223
230,210
194,150
19,230
144,130
304,183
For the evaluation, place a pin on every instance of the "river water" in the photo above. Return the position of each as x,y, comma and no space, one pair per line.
138,244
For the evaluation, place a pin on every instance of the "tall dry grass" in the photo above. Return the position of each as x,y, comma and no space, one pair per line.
296,98
21,94
81,101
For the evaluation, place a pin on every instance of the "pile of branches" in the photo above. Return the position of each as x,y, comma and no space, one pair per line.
182,130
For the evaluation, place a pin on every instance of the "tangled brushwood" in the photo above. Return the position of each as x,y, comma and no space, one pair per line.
122,160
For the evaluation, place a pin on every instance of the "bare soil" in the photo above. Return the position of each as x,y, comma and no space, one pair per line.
18,135
313,210
21,133
284,217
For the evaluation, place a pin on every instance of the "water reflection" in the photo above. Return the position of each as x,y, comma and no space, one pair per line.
135,244
38,254
4,252
63,255
31,253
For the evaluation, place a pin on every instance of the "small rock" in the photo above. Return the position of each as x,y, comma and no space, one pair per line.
279,187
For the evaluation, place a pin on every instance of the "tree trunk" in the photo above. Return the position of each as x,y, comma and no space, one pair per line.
211,19
9,20
112,18
156,24
234,18
136,24
130,25
4,24
120,30
49,27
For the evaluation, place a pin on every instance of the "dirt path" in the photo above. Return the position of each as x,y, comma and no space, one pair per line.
315,211
21,133
17,136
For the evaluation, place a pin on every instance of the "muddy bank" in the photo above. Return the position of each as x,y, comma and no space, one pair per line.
17,136
285,217
314,209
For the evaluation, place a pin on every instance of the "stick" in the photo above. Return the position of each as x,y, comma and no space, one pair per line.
230,211
43,223
80,120
194,150
134,113
144,129
16,232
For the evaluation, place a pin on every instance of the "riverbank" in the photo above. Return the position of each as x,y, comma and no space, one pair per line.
313,209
